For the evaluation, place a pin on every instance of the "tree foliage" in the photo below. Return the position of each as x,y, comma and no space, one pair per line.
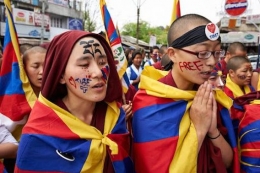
89,17
145,31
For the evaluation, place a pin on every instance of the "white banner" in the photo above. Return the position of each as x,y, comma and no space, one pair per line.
23,16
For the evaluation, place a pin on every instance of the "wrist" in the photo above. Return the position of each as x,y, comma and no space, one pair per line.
215,135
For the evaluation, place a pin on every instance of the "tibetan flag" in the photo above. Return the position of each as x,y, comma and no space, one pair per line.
165,139
116,46
176,10
54,140
16,94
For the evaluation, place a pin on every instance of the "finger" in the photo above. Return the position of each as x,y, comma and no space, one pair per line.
198,96
206,94
209,103
214,106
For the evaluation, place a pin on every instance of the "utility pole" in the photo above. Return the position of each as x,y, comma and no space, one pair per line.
138,5
42,24
137,25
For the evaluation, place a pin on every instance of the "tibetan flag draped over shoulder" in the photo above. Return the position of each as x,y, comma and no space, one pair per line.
176,10
16,94
165,139
54,140
116,46
248,132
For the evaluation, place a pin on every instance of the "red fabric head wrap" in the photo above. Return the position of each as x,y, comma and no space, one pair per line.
57,56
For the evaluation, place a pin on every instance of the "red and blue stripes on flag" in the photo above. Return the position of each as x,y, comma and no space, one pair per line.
16,94
53,140
162,141
116,46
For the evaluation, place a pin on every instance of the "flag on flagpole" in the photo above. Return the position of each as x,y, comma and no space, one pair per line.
116,46
16,94
176,10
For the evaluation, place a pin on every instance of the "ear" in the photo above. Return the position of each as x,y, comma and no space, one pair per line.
62,80
231,73
171,54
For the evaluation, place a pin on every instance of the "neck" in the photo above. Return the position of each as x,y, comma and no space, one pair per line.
180,82
36,91
81,109
137,67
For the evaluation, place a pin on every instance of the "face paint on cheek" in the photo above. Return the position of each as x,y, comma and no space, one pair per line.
241,77
72,82
105,73
84,83
191,66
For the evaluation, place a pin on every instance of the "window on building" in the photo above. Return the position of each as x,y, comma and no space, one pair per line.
56,22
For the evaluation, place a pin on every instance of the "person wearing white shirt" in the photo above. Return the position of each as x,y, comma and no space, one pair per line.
134,71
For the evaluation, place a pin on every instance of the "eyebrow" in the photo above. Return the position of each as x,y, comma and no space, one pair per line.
102,56
82,58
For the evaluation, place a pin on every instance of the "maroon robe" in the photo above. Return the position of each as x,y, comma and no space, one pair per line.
209,158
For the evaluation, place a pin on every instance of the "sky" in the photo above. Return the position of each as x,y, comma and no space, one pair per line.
158,12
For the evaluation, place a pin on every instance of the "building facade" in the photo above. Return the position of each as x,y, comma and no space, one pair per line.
38,21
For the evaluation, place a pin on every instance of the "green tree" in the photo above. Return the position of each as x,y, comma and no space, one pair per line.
89,24
145,31
89,17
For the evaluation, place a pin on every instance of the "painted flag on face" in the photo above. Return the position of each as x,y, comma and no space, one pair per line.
16,94
176,10
116,46
54,140
164,134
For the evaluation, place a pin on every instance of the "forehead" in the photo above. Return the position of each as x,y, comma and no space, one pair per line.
208,44
245,65
88,42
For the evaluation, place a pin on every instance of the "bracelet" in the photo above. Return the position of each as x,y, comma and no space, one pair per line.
215,137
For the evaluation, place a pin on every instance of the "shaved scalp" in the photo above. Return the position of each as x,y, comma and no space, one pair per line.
184,24
236,46
236,62
35,49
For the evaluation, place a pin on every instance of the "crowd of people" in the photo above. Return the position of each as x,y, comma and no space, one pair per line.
181,112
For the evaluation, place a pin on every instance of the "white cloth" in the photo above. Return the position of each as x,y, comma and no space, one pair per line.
6,136
137,72
149,64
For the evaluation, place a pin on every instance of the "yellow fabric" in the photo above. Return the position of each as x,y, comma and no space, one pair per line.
97,153
188,142
237,91
29,94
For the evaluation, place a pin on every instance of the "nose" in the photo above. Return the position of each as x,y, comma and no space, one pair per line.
95,71
211,61
41,69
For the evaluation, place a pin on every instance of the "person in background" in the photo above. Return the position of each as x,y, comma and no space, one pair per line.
133,72
33,60
238,83
162,52
234,49
77,124
24,47
153,56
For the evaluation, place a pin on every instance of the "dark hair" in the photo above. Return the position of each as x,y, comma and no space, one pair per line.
136,53
236,46
235,62
183,24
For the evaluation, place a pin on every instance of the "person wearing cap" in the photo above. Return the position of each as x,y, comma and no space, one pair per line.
77,124
177,125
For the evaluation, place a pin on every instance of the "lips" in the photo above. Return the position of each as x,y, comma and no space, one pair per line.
98,85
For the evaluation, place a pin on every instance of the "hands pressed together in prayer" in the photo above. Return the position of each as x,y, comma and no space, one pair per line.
203,112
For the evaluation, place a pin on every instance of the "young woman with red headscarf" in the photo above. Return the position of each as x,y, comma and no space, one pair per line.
77,124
